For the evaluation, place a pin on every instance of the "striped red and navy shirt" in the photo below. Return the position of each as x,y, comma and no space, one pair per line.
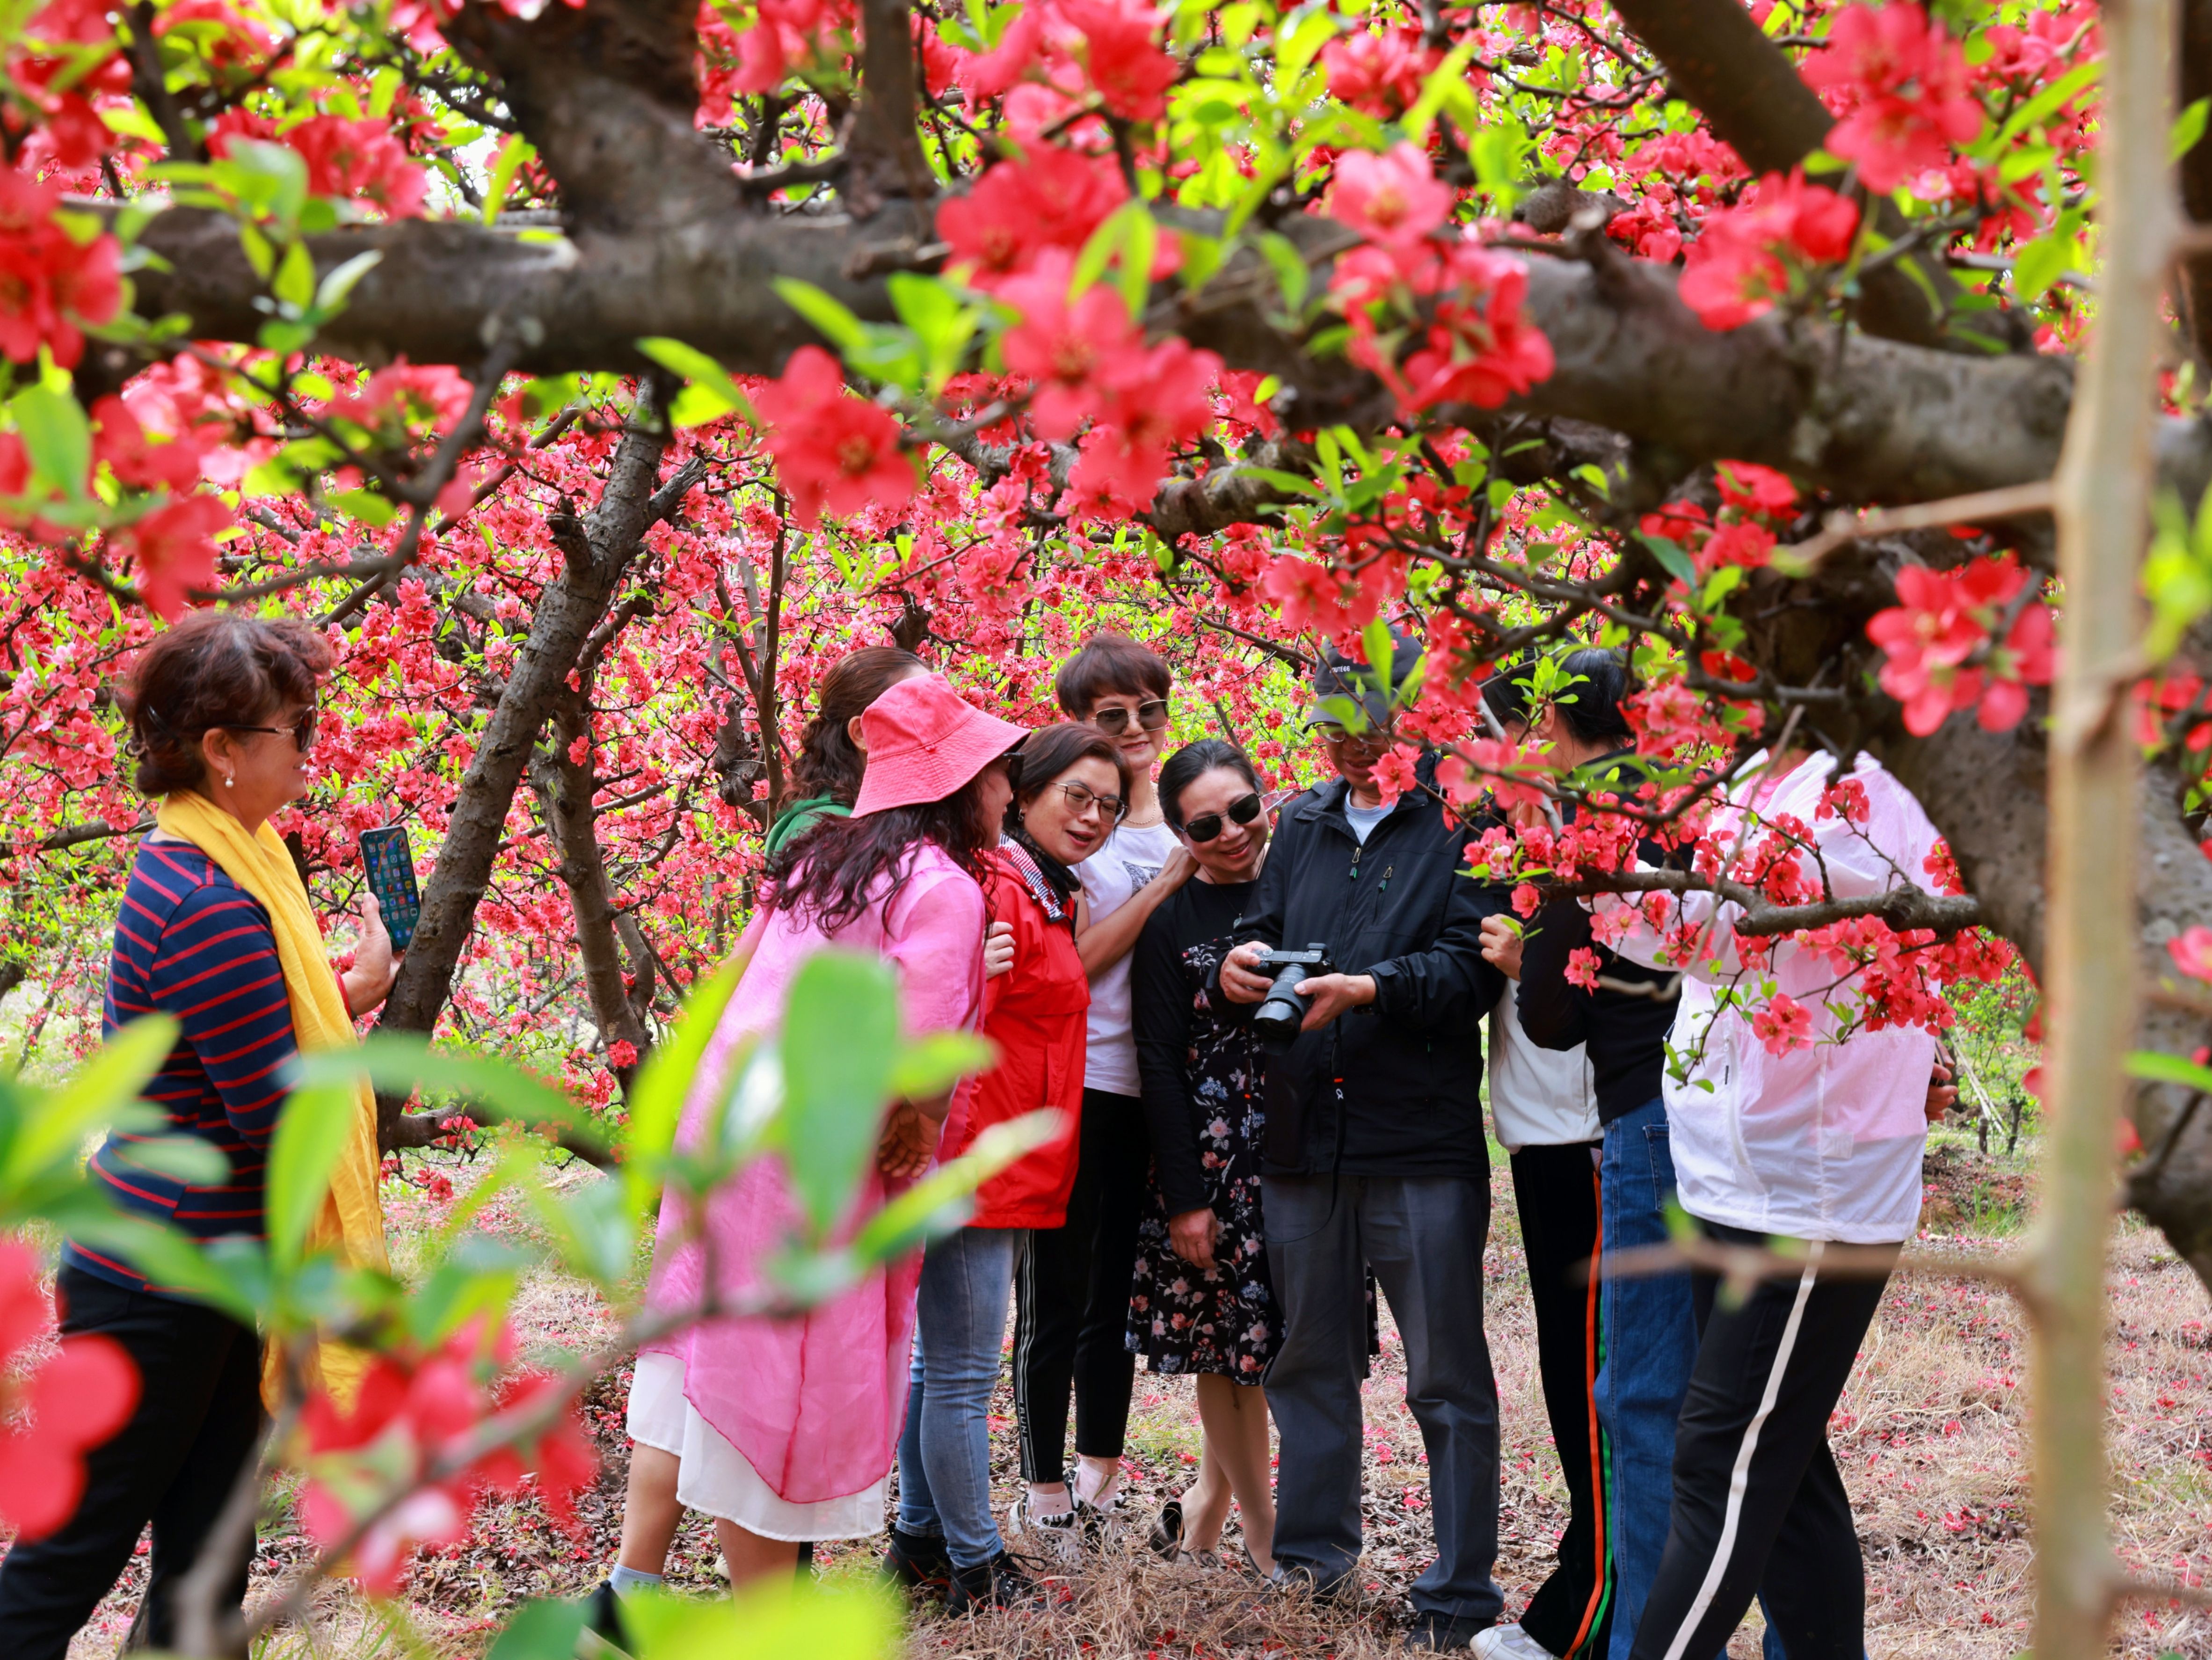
192,944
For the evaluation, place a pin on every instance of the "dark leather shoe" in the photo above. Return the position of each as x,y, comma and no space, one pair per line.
1439,1631
1000,1583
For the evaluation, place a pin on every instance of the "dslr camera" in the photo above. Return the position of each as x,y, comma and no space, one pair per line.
1282,1012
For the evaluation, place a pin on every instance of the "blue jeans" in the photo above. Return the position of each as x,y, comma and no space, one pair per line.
1650,1344
960,1330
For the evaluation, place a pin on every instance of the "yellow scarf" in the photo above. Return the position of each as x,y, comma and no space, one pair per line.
351,1220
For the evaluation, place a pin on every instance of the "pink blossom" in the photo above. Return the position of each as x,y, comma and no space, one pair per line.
1393,200
1902,81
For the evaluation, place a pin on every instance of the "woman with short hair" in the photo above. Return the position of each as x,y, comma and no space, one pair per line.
1203,1302
218,931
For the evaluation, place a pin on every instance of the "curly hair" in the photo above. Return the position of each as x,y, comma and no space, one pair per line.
214,669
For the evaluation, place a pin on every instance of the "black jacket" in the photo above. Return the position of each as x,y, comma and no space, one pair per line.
1625,1031
1400,909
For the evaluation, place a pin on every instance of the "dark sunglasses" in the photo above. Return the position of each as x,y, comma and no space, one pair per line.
1207,825
1152,717
1337,736
301,731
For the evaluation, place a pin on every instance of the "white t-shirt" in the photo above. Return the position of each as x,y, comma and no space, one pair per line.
1131,856
1539,1097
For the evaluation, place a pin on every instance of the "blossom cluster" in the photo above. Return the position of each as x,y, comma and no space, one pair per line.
1941,647
54,1410
416,1412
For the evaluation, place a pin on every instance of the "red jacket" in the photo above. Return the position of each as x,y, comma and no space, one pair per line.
1035,1014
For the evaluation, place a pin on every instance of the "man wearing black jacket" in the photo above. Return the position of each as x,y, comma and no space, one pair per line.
1374,1154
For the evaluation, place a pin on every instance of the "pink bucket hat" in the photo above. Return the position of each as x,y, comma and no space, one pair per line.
924,742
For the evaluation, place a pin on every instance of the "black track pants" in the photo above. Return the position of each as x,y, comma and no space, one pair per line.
199,1421
1760,1506
1072,1297
1555,1189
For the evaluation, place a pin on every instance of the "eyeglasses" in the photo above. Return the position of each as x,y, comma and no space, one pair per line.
301,731
1081,798
1151,716
1337,736
1207,825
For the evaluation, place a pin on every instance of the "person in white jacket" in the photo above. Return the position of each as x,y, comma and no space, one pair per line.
1792,1121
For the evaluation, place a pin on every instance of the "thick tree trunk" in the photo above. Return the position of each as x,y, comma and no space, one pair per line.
598,550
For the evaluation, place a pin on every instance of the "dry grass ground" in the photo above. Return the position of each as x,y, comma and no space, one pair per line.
1929,1434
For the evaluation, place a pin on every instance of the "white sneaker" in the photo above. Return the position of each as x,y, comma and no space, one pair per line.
1509,1643
1046,1538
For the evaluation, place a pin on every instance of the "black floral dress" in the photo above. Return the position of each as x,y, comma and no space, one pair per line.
1200,1071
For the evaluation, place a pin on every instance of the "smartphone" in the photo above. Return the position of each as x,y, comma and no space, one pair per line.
389,862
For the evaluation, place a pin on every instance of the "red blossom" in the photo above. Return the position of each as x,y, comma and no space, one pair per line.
50,283
1783,1025
1069,351
55,1411
835,452
174,547
1122,58
358,159
1902,81
2192,952
1744,258
1053,199
1393,200
1944,618
1749,488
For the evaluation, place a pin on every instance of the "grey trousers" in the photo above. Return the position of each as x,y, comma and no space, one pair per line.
1424,1238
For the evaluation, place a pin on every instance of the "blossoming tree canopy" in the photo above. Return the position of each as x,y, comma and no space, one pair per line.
595,374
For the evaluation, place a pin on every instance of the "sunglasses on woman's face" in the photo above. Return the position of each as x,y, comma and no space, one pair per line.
301,731
1207,825
1114,718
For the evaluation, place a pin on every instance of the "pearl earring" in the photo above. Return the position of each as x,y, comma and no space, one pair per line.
230,784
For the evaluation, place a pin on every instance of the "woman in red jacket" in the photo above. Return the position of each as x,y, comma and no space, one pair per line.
1070,786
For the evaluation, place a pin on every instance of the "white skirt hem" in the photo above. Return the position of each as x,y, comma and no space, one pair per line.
715,1478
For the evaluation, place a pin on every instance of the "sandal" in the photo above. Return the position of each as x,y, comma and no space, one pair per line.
1166,1536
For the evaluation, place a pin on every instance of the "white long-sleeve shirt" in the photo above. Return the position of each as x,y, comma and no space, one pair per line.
1818,1143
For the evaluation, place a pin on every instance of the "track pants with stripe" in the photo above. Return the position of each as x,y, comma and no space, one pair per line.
1072,1297
1555,1189
1760,1506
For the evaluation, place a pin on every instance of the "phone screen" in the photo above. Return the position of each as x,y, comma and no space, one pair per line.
389,862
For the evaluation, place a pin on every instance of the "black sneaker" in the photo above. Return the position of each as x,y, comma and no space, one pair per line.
1166,1536
1296,1579
918,1561
1438,1631
1000,1583
603,1633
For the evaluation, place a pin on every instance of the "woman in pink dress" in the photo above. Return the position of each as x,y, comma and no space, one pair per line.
784,1430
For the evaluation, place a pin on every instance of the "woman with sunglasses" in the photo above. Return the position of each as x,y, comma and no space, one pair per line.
1201,1301
1075,1278
216,931
1070,789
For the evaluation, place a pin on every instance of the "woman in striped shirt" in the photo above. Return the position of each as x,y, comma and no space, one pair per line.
222,707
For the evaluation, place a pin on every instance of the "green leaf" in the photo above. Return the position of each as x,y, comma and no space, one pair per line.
546,1630
840,1042
1669,554
2040,107
1293,276
57,1124
188,1158
831,318
311,1133
339,283
57,437
295,282
512,154
366,505
712,393
929,307
2040,264
931,1065
2188,129
1452,72
1127,235
937,1203
2156,1067
657,1094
